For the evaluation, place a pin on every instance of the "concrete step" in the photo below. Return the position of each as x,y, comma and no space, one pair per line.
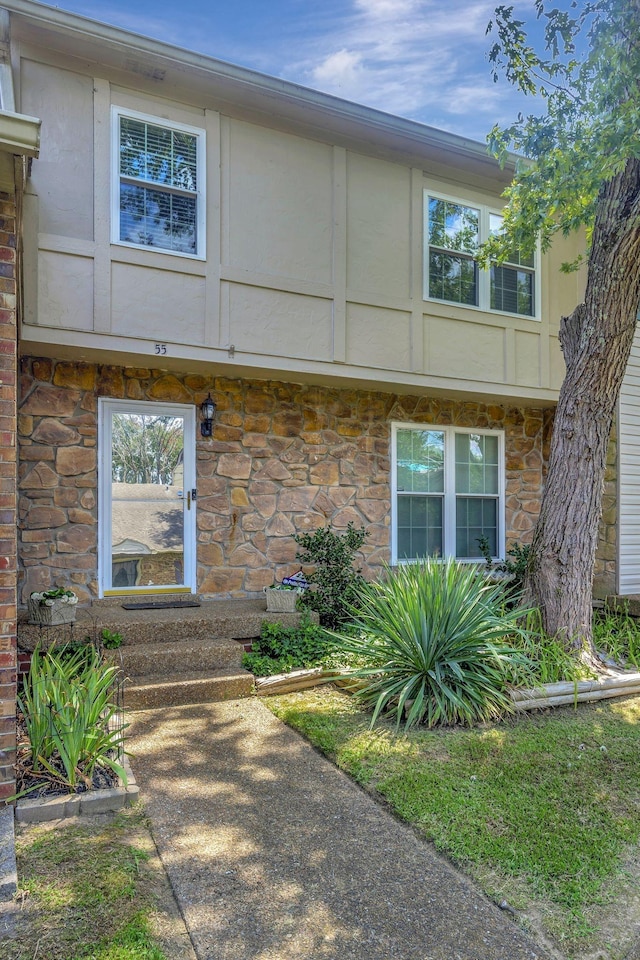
173,659
148,693
240,619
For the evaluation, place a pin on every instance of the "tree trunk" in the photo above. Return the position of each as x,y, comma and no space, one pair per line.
596,341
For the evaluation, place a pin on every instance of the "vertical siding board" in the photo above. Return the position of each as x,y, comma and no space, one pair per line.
339,268
416,272
629,477
102,207
213,230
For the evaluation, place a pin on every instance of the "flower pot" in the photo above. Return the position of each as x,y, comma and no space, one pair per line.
51,615
281,601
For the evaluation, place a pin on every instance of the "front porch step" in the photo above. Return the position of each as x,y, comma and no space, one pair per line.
148,693
171,659
240,619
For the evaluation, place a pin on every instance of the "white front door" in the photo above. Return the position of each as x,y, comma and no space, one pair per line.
147,497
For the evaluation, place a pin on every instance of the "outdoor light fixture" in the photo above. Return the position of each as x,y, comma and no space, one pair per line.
208,412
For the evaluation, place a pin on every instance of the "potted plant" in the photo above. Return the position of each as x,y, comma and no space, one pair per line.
282,597
52,607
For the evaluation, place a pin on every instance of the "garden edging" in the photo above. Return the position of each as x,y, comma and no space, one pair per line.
72,804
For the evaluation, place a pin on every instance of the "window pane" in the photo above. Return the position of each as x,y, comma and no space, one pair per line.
516,255
453,226
476,517
155,218
419,527
420,461
512,290
476,463
452,278
159,154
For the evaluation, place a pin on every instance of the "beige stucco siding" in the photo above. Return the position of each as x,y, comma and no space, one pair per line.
63,174
277,204
314,258
378,198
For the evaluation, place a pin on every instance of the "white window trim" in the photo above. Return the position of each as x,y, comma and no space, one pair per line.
200,134
484,276
449,518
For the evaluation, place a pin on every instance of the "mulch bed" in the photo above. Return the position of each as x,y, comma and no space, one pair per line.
37,786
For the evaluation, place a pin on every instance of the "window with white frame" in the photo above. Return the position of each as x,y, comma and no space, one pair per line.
448,492
158,197
454,231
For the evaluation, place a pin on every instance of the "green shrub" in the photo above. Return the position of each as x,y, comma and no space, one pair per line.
71,716
433,637
336,583
281,649
517,567
110,639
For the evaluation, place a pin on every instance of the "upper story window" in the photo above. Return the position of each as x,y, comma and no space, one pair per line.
158,184
448,492
454,232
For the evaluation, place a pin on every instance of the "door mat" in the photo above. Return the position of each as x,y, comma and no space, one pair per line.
160,605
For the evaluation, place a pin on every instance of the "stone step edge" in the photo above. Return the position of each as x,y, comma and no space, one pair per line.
196,676
156,694
179,645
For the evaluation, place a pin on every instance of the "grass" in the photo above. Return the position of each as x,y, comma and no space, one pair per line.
541,810
618,635
86,892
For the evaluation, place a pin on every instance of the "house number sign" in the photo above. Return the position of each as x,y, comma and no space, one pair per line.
160,349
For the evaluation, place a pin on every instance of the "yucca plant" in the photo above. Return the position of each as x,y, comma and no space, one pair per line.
68,706
431,644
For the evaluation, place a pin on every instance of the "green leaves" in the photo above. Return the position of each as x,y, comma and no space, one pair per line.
281,649
432,638
71,715
335,581
592,122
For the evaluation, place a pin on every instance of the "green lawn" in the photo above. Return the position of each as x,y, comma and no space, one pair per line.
542,810
85,892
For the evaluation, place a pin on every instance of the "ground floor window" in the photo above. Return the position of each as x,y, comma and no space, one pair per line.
448,492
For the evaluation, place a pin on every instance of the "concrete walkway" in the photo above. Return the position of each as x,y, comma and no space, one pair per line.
273,854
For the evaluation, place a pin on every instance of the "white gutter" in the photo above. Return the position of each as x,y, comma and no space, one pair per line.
19,134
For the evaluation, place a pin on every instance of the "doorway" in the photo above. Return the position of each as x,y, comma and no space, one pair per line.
147,497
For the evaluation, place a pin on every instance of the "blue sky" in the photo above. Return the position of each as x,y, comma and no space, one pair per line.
421,59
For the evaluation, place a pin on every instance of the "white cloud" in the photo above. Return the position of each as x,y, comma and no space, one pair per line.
419,58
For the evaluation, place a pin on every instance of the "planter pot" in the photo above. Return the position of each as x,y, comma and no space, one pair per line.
281,601
51,616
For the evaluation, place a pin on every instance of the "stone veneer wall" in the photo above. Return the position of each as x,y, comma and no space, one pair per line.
8,546
284,458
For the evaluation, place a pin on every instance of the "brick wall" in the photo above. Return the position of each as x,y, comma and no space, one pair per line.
284,458
8,559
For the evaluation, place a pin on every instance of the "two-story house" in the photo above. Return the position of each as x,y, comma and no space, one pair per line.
192,230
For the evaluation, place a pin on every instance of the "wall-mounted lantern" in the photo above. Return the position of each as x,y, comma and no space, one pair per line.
207,412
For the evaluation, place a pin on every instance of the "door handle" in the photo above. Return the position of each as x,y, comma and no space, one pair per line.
191,495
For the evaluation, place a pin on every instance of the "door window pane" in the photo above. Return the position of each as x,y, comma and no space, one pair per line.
147,506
